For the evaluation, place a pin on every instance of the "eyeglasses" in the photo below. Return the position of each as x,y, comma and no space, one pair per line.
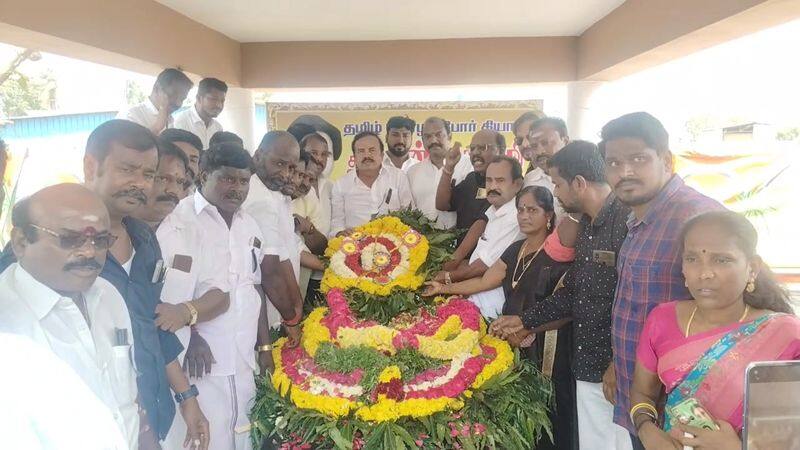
72,240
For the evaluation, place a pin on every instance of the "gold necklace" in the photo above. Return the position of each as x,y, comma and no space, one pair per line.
514,278
691,318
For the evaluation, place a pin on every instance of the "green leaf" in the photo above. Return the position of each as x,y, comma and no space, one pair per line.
339,440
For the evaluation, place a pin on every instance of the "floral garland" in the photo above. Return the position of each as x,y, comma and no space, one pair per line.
376,257
454,327
455,333
379,362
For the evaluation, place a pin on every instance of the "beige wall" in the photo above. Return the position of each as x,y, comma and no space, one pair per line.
408,63
140,31
644,33
145,36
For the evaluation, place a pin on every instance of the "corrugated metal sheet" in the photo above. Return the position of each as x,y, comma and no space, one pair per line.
45,126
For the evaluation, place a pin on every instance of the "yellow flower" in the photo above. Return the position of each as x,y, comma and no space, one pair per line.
464,342
378,337
338,275
314,332
389,410
331,406
388,374
502,361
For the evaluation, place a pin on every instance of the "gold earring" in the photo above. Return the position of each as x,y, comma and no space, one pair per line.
751,286
549,225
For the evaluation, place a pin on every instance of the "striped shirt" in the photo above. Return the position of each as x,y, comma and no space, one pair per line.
649,269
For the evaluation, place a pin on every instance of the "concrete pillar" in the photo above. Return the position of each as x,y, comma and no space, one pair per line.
239,116
583,118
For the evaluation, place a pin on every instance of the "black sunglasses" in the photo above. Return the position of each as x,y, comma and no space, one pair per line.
72,240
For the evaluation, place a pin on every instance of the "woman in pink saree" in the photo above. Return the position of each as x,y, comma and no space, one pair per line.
699,348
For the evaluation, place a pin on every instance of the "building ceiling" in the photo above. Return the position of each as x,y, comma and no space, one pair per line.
369,20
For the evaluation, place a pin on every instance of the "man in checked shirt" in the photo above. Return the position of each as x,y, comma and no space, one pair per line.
639,168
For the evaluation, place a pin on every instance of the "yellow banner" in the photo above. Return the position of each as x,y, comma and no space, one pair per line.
466,118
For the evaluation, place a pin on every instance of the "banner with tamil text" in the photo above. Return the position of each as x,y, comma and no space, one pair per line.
465,119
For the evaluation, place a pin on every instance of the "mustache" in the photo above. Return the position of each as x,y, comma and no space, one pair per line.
85,263
627,180
133,192
493,191
368,159
234,196
168,197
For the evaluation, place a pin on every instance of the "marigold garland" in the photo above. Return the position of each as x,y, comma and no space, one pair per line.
441,348
376,258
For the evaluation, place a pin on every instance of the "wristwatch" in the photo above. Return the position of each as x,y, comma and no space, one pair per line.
264,348
192,313
186,395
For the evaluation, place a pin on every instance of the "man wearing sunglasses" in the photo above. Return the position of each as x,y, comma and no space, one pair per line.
119,167
53,295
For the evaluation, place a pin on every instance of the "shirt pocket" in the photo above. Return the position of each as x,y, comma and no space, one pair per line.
123,376
178,286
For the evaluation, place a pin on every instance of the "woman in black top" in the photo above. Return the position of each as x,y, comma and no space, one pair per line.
528,275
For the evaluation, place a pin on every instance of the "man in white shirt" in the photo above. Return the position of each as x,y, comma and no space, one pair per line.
191,146
275,163
155,113
73,419
200,118
229,261
503,181
169,185
520,128
305,205
546,136
53,295
317,145
370,190
424,177
400,132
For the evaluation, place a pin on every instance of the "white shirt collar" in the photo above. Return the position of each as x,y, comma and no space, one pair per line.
196,116
151,108
40,298
382,172
536,174
200,203
507,208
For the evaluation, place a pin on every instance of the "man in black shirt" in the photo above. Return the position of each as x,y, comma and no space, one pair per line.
468,198
588,292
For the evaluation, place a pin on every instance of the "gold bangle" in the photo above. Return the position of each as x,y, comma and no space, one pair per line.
645,406
264,348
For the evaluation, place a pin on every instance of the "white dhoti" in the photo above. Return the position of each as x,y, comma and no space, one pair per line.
596,427
226,402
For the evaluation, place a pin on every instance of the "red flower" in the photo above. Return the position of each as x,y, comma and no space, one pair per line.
392,390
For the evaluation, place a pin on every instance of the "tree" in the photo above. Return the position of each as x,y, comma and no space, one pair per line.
20,93
133,93
788,134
